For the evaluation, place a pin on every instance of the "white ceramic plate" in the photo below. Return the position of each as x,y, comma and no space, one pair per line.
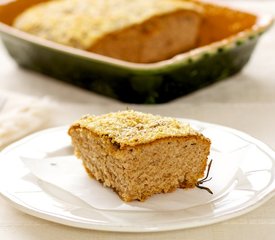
252,185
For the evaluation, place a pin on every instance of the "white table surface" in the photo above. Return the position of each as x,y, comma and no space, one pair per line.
245,102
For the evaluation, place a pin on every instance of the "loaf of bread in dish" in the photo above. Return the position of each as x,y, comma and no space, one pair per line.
139,154
139,31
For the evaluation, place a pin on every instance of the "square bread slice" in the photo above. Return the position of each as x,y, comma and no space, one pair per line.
138,154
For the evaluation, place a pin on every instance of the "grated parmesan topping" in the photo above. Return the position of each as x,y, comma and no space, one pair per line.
80,23
133,128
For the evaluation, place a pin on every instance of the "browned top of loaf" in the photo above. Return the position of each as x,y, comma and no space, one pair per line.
80,23
131,128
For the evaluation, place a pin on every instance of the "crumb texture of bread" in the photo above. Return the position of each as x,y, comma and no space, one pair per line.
138,154
136,30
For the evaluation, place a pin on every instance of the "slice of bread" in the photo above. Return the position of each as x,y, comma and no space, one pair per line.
133,30
140,154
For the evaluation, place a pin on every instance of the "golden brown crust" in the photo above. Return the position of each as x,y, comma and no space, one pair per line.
158,38
132,128
137,30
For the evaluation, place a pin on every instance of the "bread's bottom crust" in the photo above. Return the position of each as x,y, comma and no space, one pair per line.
184,185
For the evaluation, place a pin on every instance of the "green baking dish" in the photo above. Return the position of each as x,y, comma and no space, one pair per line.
226,42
